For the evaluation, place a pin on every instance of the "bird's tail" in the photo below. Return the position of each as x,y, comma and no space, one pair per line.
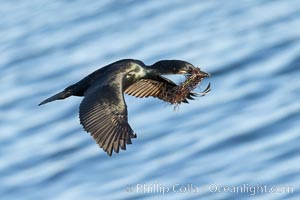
61,95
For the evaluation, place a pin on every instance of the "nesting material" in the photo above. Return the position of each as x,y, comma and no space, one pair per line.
180,93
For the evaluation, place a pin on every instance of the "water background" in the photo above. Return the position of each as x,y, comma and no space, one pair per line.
246,131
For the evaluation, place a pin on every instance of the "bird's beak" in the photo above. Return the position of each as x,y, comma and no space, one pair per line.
203,74
193,70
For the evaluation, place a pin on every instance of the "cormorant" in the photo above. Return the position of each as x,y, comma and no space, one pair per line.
103,111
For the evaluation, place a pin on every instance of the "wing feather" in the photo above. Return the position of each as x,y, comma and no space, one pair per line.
156,87
103,114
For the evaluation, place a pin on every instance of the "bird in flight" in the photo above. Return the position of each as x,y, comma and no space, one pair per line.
103,111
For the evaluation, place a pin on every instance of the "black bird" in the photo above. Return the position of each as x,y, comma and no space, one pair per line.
103,111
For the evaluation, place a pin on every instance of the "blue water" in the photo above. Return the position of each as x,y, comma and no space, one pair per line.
246,131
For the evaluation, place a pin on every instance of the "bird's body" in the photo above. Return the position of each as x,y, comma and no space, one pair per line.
103,111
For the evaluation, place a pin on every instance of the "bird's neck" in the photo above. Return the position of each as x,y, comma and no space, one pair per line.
161,70
163,67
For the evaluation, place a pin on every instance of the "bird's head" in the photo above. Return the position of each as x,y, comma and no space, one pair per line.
175,67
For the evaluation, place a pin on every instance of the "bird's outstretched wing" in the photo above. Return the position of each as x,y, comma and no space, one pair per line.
103,113
157,88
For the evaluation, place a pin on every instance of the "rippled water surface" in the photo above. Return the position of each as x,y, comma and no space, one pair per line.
244,133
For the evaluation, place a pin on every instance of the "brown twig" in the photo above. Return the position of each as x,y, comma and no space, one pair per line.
179,94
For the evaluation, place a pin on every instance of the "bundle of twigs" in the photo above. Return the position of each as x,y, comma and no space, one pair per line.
180,93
